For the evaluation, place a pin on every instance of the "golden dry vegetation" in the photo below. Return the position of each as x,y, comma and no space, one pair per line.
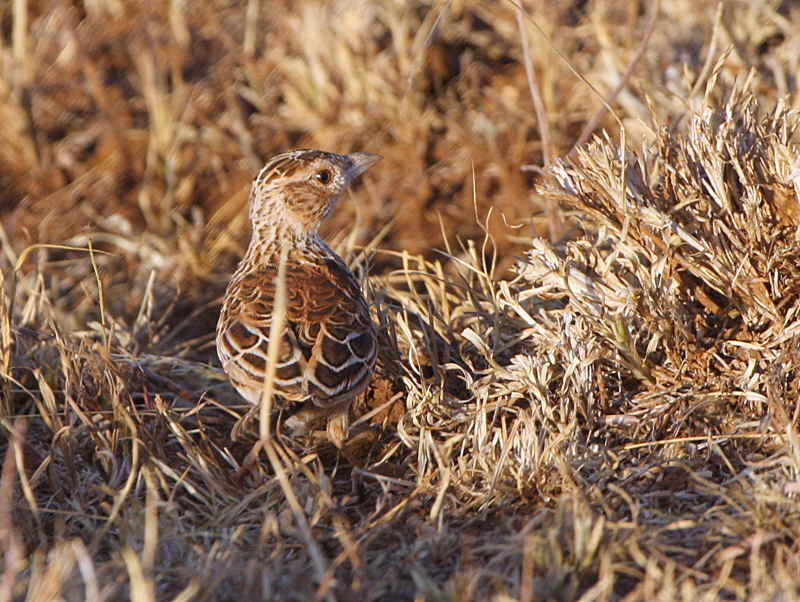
582,246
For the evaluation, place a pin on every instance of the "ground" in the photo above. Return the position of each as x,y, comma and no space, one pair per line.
581,247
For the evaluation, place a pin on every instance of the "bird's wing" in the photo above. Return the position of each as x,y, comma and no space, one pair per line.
328,316
329,346
243,339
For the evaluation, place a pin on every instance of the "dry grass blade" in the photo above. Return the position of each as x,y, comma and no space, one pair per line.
266,442
592,394
533,86
275,337
590,127
6,347
13,552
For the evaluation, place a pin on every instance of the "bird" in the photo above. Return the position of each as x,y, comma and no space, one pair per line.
328,348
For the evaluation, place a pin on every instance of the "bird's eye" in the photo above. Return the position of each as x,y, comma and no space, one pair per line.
324,176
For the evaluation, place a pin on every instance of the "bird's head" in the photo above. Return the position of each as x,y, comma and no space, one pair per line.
299,189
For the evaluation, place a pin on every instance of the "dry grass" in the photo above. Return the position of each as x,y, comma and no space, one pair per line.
607,412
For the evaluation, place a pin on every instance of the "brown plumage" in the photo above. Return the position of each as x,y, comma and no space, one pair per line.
329,347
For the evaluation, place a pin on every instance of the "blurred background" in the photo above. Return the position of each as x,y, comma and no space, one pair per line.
529,441
147,121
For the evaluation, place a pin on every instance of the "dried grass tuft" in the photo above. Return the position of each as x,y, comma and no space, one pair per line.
608,412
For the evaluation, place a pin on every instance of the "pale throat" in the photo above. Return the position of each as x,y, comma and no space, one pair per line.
273,232
274,226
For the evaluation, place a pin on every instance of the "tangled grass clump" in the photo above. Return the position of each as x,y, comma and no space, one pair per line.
609,411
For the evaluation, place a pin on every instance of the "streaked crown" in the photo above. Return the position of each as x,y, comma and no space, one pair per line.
301,187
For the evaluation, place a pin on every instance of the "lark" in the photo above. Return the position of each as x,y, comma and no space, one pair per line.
328,347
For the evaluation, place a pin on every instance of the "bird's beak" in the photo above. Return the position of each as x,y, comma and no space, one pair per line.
361,163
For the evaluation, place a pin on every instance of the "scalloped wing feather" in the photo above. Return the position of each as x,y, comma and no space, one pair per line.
329,345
